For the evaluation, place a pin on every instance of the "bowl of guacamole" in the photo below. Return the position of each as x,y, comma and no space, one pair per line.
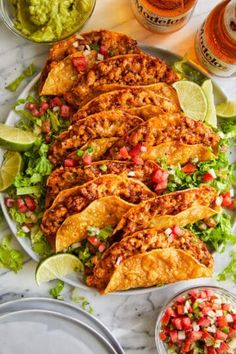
46,21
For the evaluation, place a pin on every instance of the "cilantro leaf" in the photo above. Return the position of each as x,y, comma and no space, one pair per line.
230,270
29,71
10,258
81,300
56,291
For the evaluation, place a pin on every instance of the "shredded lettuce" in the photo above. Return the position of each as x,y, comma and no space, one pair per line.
230,271
29,71
39,242
187,72
10,258
55,292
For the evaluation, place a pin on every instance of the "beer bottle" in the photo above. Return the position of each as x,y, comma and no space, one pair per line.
216,40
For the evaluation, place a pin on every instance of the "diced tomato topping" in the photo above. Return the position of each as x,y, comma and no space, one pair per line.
103,50
232,333
210,293
204,322
180,309
187,346
136,150
30,202
189,168
65,111
102,247
194,336
186,323
35,112
202,295
170,312
163,335
227,202
56,102
211,350
174,336
70,163
226,307
205,309
94,241
177,322
165,319
44,105
21,206
30,106
180,299
207,177
177,231
216,307
46,127
124,153
9,202
221,335
194,293
87,160
79,63
223,348
221,322
137,160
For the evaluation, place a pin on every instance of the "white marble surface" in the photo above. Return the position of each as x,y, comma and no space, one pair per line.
131,318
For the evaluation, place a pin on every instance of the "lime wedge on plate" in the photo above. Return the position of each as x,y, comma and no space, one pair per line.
226,109
57,266
192,99
211,117
16,139
10,167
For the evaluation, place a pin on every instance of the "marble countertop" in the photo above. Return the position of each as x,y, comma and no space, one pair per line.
130,318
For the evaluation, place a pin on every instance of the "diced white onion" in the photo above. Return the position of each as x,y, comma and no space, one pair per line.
219,313
232,344
212,172
86,52
100,56
56,109
171,172
76,245
211,329
131,173
195,160
196,327
233,311
217,301
211,314
229,318
87,47
231,193
221,135
168,231
219,201
143,148
75,44
78,36
217,343
119,259
25,229
181,335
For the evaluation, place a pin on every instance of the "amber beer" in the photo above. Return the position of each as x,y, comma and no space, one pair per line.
163,16
216,40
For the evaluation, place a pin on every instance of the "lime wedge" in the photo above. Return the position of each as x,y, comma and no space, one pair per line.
16,139
57,266
211,117
226,109
192,99
10,167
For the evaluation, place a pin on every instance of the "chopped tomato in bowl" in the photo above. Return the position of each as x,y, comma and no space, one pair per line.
198,320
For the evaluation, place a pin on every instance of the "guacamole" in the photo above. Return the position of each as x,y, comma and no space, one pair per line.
49,20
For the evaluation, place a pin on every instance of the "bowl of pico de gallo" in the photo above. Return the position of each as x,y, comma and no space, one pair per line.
200,320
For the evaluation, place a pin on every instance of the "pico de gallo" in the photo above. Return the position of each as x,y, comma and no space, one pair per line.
202,320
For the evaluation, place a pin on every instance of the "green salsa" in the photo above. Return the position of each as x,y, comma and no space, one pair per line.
49,20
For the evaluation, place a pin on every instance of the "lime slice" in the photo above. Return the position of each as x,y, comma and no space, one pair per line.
57,266
192,99
211,117
16,139
10,167
226,109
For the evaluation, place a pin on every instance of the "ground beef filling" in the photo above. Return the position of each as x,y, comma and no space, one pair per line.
141,242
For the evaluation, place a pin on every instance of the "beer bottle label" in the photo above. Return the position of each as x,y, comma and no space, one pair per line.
230,19
153,22
209,59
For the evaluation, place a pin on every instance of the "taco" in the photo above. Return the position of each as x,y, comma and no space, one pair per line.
68,177
74,200
100,213
119,72
165,128
182,207
107,124
143,101
95,45
151,257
